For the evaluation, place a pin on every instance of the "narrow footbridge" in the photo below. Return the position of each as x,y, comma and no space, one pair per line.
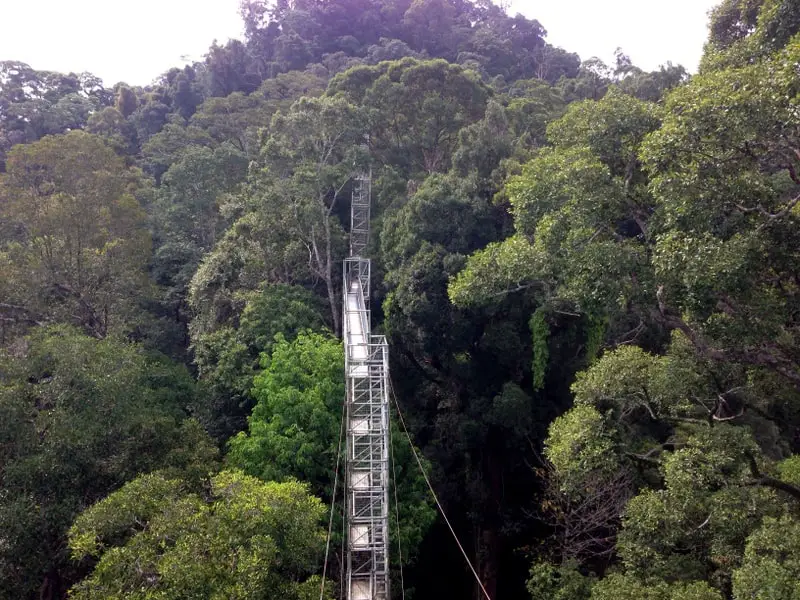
367,419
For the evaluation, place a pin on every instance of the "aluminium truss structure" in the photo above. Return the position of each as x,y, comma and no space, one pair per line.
359,214
367,420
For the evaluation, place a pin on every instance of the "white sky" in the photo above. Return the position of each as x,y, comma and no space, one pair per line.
150,36
651,32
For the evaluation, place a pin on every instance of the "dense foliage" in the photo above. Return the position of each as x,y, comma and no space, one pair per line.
243,539
588,276
80,417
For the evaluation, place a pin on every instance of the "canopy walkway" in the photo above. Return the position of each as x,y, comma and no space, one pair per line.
367,443
367,420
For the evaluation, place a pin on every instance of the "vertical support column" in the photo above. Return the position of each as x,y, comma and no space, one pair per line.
367,429
367,416
360,214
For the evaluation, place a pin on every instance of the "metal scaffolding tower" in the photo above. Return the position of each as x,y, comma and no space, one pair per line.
359,214
367,419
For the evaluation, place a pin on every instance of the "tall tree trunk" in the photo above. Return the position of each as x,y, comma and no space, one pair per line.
335,313
485,561
51,586
488,565
490,535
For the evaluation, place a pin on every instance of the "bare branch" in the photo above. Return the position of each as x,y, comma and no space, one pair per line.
764,212
586,524
730,418
703,524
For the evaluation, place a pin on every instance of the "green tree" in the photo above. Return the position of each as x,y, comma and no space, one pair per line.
234,119
293,432
309,159
771,562
282,91
189,211
532,104
168,144
460,373
126,102
150,117
295,424
77,246
78,418
581,212
232,69
746,31
726,257
243,538
186,212
237,118
38,103
706,483
433,25
290,231
621,587
693,207
416,109
548,582
110,124
482,148
227,354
